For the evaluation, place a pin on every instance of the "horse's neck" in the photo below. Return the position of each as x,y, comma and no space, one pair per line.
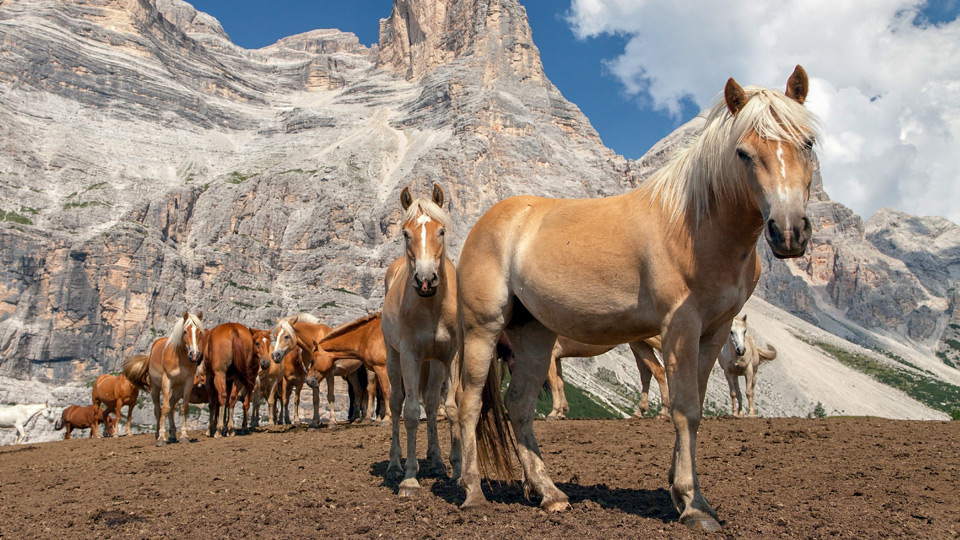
348,342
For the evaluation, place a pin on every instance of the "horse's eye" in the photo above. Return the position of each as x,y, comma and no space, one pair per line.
406,234
809,143
442,232
743,155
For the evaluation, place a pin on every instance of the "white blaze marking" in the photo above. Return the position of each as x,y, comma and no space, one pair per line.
422,221
277,344
193,332
783,165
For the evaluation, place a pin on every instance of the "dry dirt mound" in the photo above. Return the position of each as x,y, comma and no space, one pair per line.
776,478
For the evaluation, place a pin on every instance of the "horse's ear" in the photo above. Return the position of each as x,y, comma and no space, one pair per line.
200,316
405,199
734,95
797,85
744,318
316,346
294,320
438,195
185,315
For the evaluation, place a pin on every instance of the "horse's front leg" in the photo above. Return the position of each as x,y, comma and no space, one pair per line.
130,415
166,393
734,392
331,381
438,374
751,381
684,352
410,367
395,469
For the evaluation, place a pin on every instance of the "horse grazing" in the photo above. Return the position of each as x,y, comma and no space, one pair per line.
169,373
89,417
293,339
741,357
677,257
343,351
421,333
17,416
115,391
228,360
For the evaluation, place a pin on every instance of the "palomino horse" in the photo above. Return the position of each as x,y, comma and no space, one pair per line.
17,416
228,359
741,357
171,368
421,332
647,364
676,257
115,391
295,336
337,352
89,417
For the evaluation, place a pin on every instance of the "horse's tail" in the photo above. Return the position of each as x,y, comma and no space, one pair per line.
767,355
136,370
495,444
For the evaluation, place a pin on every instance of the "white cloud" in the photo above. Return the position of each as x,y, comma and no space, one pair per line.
887,90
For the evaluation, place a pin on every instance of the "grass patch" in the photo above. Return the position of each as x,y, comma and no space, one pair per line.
237,177
243,304
245,288
84,204
14,217
298,171
341,289
98,185
328,304
934,393
28,210
582,404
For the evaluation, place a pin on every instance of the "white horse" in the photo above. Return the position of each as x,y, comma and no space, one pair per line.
741,357
17,416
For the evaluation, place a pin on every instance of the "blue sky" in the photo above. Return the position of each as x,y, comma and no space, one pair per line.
885,74
574,66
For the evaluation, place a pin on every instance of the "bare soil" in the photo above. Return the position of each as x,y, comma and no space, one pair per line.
770,478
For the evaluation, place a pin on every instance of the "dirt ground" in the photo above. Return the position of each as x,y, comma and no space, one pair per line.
770,478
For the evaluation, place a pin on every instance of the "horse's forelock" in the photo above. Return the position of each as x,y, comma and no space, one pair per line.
428,208
175,340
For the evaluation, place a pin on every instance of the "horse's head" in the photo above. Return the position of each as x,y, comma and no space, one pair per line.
110,421
284,340
193,336
775,149
261,347
424,231
322,364
738,335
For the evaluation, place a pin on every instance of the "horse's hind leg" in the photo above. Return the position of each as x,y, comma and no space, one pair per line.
556,385
130,415
532,344
645,376
438,374
21,434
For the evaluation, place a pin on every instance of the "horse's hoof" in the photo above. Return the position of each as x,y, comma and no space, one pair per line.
701,522
474,503
160,442
552,418
409,488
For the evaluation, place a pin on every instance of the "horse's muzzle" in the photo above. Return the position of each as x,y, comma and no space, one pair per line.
277,358
312,381
195,357
426,287
264,363
789,241
741,351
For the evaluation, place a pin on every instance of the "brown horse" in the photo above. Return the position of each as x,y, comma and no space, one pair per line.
675,257
89,417
268,381
294,336
169,372
421,333
337,353
115,391
647,364
228,360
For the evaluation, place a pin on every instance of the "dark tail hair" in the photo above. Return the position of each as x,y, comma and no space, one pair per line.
495,441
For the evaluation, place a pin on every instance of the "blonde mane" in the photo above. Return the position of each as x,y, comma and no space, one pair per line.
175,340
350,326
284,324
708,170
427,208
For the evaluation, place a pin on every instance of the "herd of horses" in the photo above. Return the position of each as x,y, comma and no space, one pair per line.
666,266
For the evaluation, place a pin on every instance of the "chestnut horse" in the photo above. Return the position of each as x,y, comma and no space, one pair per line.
294,336
268,381
115,391
228,360
676,257
337,353
89,417
647,364
421,333
169,372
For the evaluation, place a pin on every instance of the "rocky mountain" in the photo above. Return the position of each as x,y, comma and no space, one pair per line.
148,165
